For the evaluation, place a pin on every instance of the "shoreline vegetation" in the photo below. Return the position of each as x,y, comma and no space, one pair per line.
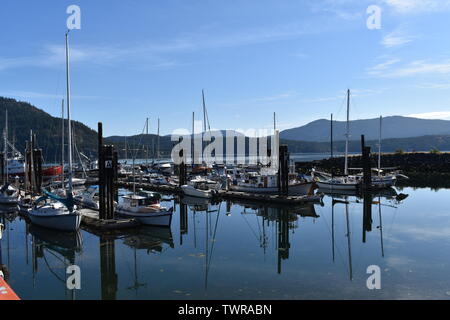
424,169
24,117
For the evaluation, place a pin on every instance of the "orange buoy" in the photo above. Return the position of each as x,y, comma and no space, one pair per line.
6,293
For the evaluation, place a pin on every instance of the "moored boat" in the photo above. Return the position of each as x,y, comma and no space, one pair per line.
137,207
9,195
199,191
51,210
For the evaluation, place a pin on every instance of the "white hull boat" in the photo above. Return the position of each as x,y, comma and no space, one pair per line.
335,185
198,193
386,181
55,216
158,218
137,207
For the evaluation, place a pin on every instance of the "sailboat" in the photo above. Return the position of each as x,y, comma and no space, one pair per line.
328,182
144,208
199,187
382,179
50,210
9,195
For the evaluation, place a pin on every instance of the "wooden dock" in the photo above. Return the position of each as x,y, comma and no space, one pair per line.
231,195
269,198
90,218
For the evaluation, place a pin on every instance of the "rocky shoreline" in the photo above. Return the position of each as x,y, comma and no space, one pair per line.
425,169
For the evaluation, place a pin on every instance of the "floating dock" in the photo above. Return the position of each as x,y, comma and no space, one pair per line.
91,219
231,195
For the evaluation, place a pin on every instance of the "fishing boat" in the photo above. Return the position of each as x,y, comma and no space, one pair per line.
139,208
146,208
198,192
201,188
267,183
16,167
51,210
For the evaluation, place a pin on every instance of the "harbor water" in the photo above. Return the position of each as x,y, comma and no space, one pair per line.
247,251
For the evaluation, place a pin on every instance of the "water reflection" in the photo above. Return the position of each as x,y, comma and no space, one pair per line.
56,250
210,250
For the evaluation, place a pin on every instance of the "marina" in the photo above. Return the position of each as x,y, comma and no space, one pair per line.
232,158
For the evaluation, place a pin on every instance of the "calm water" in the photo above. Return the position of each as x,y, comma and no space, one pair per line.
233,251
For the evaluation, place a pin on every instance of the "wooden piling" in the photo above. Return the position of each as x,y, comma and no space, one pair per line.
101,174
283,170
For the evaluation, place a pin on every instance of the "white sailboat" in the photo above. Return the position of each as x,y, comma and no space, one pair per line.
327,182
52,211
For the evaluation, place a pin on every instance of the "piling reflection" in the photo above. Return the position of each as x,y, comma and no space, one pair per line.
109,277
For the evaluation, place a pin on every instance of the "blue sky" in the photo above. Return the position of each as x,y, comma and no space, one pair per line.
145,58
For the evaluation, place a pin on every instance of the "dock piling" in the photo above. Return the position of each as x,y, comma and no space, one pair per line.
283,170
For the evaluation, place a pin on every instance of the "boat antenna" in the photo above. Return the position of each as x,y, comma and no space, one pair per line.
379,147
347,134
68,113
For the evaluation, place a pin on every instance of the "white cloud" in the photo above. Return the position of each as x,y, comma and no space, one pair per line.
415,68
157,54
375,70
437,85
445,115
417,6
395,39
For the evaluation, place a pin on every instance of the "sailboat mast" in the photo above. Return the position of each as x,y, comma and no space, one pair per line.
274,122
347,134
379,147
331,137
204,111
62,135
192,140
157,155
204,122
146,132
68,113
5,151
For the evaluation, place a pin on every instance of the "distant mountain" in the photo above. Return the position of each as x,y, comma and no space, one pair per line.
23,117
393,127
424,143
